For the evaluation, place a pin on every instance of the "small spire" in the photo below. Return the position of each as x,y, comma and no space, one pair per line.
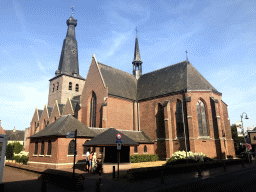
186,55
136,31
72,7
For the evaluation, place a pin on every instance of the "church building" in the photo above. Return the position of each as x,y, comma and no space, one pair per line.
164,111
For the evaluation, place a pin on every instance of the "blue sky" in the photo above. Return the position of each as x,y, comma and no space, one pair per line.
218,35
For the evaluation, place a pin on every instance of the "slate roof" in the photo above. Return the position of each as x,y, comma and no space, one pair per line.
65,124
77,98
50,110
40,112
18,135
61,106
174,78
119,83
2,131
74,103
108,137
137,136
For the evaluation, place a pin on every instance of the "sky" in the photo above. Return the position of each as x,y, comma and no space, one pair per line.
218,35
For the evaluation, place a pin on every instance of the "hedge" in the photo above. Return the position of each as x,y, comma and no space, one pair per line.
143,158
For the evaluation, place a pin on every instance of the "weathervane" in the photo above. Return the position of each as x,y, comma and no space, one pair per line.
186,54
72,7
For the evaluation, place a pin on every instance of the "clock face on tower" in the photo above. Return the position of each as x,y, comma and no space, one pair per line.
73,51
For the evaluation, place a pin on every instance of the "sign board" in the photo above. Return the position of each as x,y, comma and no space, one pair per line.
3,143
119,141
70,134
118,146
118,136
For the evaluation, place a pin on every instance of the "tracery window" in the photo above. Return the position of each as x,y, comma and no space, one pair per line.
70,86
202,126
179,120
93,110
53,86
160,121
57,86
71,147
36,148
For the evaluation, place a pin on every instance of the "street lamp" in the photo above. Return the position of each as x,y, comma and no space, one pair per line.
246,117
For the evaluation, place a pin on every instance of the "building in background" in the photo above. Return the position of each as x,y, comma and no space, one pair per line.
15,136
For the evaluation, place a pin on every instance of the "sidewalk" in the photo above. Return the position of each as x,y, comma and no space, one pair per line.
20,180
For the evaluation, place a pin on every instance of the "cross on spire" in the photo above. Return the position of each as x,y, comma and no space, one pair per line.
72,7
186,54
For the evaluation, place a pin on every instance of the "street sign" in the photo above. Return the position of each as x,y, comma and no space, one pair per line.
118,146
118,136
119,141
70,134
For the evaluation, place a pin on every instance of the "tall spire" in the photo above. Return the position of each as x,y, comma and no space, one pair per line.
69,57
137,63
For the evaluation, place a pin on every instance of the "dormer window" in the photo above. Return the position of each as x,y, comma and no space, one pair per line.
77,87
53,86
70,86
57,85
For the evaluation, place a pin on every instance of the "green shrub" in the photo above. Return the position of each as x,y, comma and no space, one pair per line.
143,158
17,147
9,151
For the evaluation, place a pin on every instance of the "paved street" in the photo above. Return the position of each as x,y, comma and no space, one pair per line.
235,178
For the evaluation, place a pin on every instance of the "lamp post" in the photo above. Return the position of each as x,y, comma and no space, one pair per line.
246,117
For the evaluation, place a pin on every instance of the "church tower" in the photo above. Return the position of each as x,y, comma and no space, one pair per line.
137,63
67,81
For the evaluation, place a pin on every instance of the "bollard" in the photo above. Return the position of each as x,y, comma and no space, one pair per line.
97,186
113,172
162,177
43,188
224,167
199,172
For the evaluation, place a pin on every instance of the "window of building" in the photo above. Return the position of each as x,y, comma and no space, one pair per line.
49,151
254,138
71,147
53,86
85,149
45,124
135,149
179,120
160,122
70,86
77,87
202,126
55,118
93,110
145,149
36,148
57,86
42,148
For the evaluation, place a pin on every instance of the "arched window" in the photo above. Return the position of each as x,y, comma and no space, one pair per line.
85,149
42,148
101,150
55,118
36,148
201,118
70,86
135,149
160,122
145,149
179,120
93,110
57,86
71,147
77,87
49,151
53,86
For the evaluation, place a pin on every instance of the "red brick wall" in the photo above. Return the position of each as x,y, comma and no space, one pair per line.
68,109
93,83
120,113
140,149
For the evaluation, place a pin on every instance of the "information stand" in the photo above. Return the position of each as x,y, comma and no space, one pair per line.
3,143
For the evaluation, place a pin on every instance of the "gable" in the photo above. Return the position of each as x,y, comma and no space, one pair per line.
68,109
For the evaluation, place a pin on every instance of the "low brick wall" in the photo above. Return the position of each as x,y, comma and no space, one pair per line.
108,167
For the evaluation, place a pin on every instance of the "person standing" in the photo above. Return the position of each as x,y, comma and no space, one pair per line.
94,162
87,156
90,161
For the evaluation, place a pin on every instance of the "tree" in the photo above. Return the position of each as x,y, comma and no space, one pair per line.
237,140
9,151
17,147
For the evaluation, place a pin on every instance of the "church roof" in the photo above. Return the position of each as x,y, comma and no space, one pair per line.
17,135
119,83
137,136
136,58
64,124
77,98
108,137
172,79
